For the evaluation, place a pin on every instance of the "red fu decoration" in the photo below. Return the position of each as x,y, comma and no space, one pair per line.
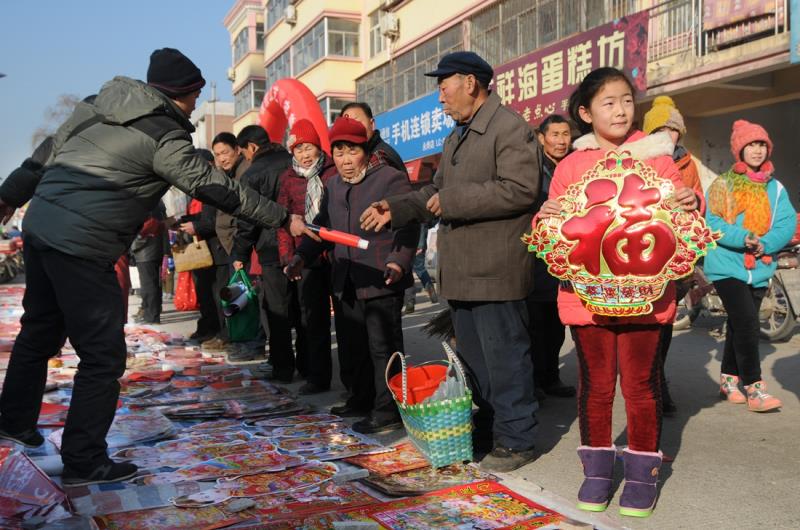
621,237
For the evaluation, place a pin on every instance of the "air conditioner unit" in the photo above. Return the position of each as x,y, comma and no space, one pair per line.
290,15
231,74
390,26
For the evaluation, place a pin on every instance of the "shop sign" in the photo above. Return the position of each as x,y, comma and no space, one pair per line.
539,84
417,128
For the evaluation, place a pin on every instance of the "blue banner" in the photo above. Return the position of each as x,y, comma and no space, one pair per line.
416,129
794,15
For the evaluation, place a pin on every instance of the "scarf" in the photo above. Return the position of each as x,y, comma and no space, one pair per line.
355,180
314,186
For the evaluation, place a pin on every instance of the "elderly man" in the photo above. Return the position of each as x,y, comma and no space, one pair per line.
547,331
110,163
485,204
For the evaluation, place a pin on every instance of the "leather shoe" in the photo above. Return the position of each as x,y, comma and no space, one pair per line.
504,459
372,425
349,411
559,389
312,388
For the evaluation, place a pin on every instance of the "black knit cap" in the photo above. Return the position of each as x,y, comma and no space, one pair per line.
173,73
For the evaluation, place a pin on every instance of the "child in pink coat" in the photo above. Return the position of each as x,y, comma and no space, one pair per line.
603,108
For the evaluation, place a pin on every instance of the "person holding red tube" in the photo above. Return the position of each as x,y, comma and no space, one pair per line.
368,284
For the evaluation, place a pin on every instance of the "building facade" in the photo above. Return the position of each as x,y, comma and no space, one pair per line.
720,60
210,118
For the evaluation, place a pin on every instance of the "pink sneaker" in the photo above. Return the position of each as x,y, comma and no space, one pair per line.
729,389
758,400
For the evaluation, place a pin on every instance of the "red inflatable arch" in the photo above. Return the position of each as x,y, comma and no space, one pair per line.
287,101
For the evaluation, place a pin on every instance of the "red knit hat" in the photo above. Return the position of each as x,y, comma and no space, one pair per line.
745,133
346,129
302,132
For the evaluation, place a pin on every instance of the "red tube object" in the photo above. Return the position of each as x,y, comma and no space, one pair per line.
338,237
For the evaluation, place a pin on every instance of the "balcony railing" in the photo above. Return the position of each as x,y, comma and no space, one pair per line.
677,26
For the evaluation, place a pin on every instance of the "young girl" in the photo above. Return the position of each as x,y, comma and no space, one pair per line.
756,218
608,347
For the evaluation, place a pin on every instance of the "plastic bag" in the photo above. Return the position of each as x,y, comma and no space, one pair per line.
245,323
185,293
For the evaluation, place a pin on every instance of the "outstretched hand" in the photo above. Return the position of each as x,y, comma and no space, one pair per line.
297,227
376,216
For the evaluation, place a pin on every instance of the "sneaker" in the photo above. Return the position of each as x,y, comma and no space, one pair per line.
431,290
29,439
408,308
503,459
729,389
110,472
758,400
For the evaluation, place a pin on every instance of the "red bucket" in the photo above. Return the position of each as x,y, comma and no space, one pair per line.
422,382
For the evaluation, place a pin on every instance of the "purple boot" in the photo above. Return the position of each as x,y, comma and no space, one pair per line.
598,470
641,479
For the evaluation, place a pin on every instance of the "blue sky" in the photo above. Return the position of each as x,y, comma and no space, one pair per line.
50,47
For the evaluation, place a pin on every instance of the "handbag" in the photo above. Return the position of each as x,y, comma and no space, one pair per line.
192,256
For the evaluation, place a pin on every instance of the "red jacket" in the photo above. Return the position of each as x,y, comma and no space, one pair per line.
570,170
292,196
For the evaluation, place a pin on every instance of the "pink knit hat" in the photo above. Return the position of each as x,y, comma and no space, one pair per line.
745,133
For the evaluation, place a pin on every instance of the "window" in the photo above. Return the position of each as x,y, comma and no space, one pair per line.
513,28
309,48
342,37
249,97
279,68
377,42
275,10
332,107
241,45
260,37
403,80
242,100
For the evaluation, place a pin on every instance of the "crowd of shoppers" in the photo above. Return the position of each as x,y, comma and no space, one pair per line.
254,198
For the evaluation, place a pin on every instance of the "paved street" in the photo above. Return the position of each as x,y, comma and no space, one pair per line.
732,468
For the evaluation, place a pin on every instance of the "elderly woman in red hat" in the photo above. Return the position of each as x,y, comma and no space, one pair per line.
301,188
368,285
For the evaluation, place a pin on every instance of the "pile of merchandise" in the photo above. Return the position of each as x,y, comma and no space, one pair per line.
218,447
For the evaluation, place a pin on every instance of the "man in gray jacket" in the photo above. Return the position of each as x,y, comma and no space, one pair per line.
483,192
110,163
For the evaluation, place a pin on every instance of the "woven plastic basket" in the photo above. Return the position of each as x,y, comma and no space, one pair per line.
441,430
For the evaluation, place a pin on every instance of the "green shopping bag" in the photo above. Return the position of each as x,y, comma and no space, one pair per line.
241,308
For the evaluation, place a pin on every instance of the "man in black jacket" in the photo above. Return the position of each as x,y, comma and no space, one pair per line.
267,162
362,112
110,164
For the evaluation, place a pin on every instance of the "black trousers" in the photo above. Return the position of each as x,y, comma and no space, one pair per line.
547,336
742,302
150,289
78,298
281,307
315,323
208,324
222,275
494,345
368,332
